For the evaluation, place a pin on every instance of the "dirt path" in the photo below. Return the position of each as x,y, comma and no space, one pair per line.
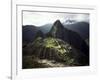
51,63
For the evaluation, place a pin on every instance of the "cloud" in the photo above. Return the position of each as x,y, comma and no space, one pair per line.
41,18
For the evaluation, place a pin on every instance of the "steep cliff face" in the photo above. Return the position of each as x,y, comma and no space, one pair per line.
69,36
57,30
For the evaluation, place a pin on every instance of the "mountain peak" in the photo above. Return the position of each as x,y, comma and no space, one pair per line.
57,29
57,22
57,25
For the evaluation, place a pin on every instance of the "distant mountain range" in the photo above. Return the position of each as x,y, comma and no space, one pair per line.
29,31
82,28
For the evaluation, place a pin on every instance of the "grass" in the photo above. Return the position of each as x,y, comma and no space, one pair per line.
53,43
63,50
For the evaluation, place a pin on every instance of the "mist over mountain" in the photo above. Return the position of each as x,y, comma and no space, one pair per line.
45,28
70,21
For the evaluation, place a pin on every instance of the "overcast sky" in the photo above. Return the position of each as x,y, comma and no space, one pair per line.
42,18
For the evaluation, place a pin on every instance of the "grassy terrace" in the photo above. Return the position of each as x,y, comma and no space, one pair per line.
53,43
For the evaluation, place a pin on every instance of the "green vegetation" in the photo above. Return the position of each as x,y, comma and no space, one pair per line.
53,43
48,48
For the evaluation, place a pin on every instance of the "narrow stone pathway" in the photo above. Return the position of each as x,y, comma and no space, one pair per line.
51,63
